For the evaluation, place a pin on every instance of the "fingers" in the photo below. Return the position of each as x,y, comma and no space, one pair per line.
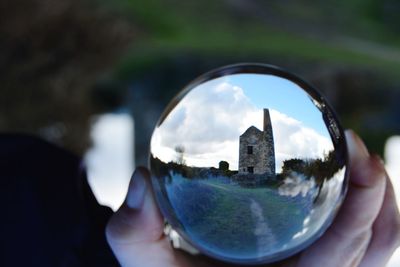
135,231
347,239
138,219
364,200
366,190
386,232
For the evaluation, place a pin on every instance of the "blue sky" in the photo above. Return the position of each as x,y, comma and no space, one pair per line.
267,91
208,121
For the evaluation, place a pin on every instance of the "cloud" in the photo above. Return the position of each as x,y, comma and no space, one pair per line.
295,184
294,140
209,120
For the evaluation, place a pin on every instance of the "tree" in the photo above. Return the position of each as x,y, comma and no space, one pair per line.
180,151
297,165
223,165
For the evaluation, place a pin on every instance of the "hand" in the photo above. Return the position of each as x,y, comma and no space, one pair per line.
365,233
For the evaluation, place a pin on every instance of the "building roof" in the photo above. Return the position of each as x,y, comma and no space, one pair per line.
252,130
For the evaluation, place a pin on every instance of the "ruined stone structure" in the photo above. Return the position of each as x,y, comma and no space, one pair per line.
256,149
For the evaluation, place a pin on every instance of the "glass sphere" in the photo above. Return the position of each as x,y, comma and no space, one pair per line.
248,164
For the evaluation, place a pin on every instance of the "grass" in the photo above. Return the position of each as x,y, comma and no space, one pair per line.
210,29
219,215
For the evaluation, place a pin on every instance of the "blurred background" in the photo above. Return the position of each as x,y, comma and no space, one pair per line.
93,76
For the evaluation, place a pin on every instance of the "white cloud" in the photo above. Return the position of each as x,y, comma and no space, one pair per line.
295,184
209,120
293,139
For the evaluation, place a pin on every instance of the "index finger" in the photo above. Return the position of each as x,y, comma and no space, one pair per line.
347,239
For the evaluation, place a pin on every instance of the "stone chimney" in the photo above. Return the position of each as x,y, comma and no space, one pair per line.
267,121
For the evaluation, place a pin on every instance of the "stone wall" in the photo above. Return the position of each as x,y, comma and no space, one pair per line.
262,158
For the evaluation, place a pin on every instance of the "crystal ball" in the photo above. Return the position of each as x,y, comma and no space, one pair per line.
248,164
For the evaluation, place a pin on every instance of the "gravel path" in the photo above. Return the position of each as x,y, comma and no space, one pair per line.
265,238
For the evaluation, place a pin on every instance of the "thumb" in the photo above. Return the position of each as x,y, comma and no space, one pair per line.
138,221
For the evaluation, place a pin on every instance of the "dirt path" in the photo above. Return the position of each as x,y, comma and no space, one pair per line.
264,235
218,186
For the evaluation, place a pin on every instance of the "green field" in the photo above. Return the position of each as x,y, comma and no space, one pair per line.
233,220
352,33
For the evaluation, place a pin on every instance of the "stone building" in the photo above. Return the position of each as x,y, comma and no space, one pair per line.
256,149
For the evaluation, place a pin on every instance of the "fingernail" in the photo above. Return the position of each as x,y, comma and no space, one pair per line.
356,147
137,190
377,169
379,159
369,172
378,162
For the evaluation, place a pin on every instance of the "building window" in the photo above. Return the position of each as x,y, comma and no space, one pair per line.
250,169
249,150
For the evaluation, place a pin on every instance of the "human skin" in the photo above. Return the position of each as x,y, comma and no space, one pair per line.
365,232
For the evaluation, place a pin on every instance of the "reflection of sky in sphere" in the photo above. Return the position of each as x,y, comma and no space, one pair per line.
209,120
280,94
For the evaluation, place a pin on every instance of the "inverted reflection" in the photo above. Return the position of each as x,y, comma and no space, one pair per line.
247,167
